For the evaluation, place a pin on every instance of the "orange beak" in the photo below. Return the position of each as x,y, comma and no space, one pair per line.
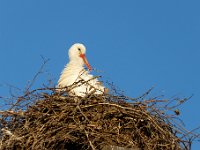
85,61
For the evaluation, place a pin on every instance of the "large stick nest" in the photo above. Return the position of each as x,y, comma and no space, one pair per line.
42,120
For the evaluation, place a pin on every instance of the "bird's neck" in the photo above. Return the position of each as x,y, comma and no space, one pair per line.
75,65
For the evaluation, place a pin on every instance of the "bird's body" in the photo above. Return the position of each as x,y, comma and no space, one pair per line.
75,77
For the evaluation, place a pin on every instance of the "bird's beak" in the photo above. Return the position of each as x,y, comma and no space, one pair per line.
85,61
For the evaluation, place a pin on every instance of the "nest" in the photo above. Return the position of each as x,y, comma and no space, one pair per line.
56,121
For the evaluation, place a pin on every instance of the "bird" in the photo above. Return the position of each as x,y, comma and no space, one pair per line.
76,78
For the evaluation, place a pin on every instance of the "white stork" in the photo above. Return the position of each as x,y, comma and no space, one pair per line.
74,76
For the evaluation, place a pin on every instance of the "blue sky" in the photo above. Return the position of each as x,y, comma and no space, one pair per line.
135,44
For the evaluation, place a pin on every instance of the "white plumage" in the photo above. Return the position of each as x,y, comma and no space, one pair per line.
75,77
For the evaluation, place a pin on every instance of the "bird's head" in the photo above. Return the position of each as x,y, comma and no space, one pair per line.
77,54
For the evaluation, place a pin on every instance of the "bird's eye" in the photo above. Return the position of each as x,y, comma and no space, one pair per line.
79,49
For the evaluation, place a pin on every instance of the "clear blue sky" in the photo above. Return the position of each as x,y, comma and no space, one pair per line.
135,44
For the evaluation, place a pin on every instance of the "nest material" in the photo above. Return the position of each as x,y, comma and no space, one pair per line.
58,121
